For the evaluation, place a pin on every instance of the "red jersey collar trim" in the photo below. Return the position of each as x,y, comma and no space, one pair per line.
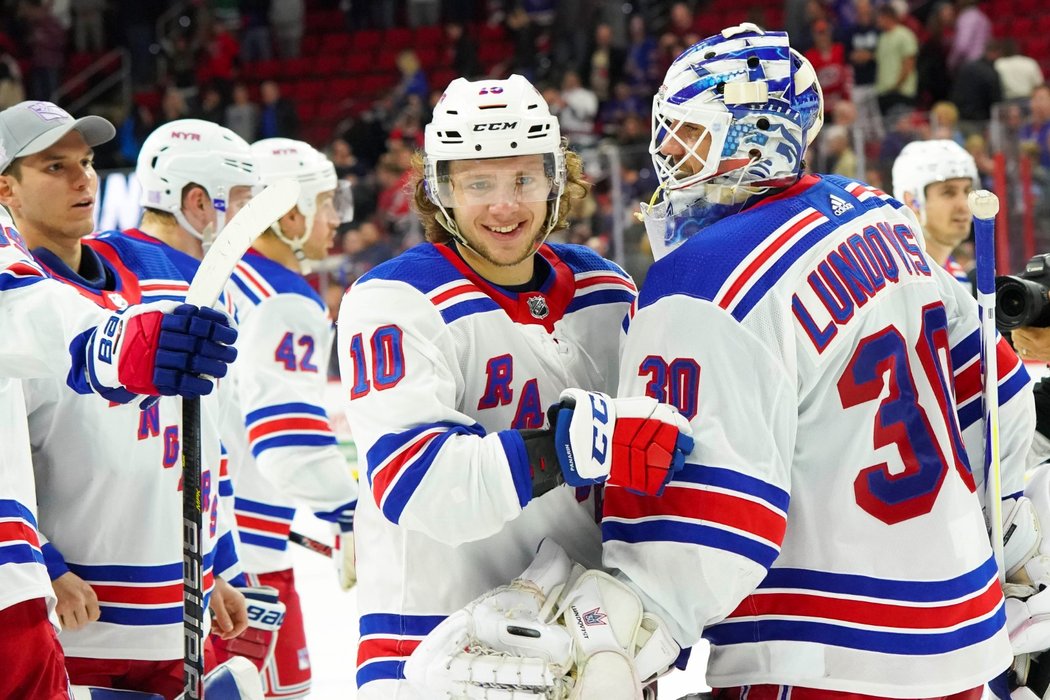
543,307
127,289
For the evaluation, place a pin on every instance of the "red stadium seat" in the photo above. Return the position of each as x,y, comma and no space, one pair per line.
397,38
429,36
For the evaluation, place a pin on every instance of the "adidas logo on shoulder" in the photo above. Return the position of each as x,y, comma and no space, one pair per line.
839,206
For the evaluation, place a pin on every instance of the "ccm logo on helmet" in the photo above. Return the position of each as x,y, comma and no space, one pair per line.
495,126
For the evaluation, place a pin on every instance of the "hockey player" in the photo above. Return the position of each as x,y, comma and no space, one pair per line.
933,178
119,596
286,454
51,331
826,533
862,375
451,353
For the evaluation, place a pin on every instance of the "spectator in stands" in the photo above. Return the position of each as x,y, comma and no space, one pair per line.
217,58
895,81
88,31
413,80
577,111
394,206
681,21
173,105
180,60
137,125
364,247
277,116
423,13
977,88
287,18
1018,73
640,64
12,90
861,39
461,51
242,115
931,64
256,42
47,40
570,32
829,61
210,106
1036,134
973,31
944,122
624,103
977,146
139,20
603,66
839,157
523,35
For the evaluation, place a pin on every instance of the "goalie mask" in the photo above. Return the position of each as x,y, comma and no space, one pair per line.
280,158
731,121
193,151
485,122
922,163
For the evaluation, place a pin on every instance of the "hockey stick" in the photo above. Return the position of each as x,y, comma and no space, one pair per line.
229,247
984,205
310,543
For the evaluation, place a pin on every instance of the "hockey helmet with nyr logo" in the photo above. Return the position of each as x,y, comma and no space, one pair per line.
922,163
491,119
192,151
731,121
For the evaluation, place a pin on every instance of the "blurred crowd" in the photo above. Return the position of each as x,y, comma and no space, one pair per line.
892,72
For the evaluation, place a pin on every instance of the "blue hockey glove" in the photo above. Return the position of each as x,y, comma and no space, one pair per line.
638,443
156,349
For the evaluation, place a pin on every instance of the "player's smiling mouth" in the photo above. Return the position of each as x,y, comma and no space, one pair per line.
503,230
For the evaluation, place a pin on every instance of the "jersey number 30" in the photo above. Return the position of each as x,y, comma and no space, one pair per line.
880,370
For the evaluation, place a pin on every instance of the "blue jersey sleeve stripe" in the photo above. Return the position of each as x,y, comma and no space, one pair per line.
886,589
1016,382
918,644
278,543
734,481
256,507
967,349
399,625
518,458
599,297
390,669
10,508
468,308
690,533
10,282
139,617
301,440
386,446
56,563
235,278
283,408
412,474
21,553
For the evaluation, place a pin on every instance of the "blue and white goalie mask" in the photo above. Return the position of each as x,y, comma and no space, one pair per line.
731,121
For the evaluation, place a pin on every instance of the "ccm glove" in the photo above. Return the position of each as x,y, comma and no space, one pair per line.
157,349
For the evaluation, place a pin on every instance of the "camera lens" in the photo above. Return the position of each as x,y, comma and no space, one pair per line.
1020,302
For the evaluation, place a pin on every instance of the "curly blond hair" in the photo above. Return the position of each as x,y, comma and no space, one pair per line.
575,189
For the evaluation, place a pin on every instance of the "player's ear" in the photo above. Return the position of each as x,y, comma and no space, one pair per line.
195,198
7,191
909,201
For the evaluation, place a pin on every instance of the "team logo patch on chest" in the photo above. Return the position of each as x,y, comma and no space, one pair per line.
538,307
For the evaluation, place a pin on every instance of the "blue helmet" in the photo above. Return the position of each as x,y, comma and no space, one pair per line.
739,109
731,121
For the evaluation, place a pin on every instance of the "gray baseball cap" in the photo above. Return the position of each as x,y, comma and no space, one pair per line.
30,127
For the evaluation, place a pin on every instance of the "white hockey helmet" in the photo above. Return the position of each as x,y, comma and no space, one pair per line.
757,98
492,119
192,151
279,158
922,163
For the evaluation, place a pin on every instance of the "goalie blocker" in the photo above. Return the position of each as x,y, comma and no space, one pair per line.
557,631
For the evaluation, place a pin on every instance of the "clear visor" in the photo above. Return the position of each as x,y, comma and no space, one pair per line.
487,182
343,202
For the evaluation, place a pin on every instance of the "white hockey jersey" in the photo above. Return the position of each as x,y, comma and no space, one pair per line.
284,453
29,348
439,366
109,482
825,531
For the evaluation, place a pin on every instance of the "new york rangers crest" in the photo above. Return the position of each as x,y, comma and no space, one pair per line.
538,307
594,617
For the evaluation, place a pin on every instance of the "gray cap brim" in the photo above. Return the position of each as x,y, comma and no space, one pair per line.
95,130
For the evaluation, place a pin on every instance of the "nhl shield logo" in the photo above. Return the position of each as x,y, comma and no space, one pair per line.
116,300
538,307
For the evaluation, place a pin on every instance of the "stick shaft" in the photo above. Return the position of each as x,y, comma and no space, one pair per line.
310,543
984,253
192,553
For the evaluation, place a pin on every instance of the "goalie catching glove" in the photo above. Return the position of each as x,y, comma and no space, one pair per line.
637,443
556,632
